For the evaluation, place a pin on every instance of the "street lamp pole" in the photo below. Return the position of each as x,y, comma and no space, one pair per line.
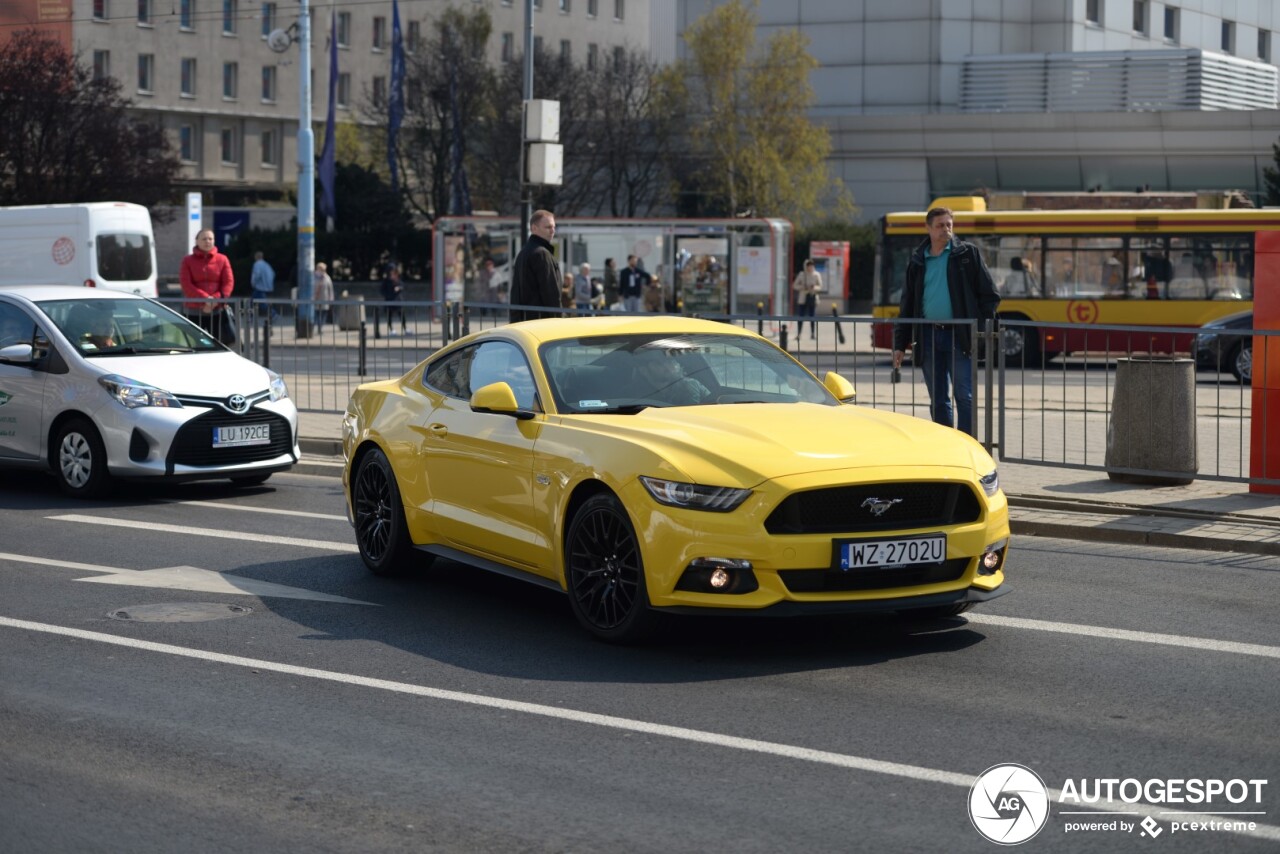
306,178
526,191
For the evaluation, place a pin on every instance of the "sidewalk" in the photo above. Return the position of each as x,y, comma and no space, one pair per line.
1044,501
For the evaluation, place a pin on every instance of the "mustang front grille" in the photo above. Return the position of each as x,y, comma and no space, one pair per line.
874,507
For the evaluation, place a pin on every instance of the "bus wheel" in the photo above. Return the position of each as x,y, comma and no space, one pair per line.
1021,344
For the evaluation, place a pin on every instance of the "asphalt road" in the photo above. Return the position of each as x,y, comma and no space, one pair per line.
457,711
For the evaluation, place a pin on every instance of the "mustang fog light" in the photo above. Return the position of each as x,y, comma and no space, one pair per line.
992,558
718,575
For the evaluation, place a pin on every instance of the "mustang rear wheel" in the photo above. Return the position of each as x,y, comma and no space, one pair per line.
381,532
80,460
605,573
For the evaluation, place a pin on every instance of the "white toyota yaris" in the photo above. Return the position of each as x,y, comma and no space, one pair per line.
97,385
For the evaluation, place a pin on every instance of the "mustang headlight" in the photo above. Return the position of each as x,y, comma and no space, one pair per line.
132,394
279,390
694,496
990,482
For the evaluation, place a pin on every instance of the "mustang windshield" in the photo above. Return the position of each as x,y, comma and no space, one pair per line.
624,374
126,327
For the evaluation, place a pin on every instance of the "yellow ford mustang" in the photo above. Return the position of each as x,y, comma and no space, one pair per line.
646,464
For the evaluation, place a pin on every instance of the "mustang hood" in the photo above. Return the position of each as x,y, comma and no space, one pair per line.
200,374
753,442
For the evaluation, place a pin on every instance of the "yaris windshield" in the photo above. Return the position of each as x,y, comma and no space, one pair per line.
126,327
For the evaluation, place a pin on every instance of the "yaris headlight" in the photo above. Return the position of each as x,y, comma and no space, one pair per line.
279,391
132,394
694,496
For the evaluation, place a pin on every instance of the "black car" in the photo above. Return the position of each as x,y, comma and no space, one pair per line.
1226,344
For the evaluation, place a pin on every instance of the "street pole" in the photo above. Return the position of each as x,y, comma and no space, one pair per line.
306,178
526,191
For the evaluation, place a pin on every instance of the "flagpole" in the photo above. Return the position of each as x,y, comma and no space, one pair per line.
306,179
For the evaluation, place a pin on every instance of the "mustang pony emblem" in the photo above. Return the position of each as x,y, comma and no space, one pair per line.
878,506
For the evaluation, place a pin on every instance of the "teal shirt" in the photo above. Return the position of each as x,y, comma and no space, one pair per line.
937,297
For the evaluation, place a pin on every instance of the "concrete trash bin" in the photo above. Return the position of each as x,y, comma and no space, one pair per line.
1153,421
349,313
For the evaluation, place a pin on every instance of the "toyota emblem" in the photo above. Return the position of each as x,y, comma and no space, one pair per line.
237,403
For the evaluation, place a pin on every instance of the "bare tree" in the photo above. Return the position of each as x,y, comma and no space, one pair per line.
67,137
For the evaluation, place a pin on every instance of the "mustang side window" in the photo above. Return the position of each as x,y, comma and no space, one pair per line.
497,361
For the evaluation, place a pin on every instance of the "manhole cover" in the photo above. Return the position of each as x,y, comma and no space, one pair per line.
179,612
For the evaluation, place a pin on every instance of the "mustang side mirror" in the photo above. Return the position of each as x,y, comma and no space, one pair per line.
498,398
840,387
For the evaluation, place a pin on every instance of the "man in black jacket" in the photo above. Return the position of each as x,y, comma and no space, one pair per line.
536,279
947,281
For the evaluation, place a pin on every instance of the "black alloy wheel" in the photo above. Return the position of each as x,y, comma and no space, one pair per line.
79,460
381,532
605,572
1242,363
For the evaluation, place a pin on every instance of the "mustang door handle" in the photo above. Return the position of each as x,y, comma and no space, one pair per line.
438,430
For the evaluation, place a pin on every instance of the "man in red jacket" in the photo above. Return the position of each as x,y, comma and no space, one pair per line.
206,278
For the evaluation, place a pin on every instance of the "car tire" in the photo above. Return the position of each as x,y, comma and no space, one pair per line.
251,479
381,532
1241,364
1021,344
79,460
604,572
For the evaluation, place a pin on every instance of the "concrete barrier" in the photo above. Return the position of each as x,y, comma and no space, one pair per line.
1153,422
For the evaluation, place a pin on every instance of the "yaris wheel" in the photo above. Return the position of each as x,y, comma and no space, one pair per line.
604,572
381,532
80,460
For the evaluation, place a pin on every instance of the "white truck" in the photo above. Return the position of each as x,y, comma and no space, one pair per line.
97,245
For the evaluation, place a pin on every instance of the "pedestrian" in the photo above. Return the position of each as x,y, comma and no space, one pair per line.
536,280
392,293
262,281
206,279
946,280
631,284
582,288
322,293
610,283
653,295
807,286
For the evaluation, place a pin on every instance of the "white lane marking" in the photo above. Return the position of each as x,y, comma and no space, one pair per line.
787,751
226,505
188,578
1126,635
326,545
62,564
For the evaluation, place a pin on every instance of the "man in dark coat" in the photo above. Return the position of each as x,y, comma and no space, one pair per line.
947,281
536,279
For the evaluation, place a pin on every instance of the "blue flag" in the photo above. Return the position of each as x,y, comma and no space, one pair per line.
328,154
395,100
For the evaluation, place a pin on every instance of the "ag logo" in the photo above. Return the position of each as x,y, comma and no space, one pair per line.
1008,804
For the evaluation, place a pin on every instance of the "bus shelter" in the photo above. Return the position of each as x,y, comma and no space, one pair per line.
705,266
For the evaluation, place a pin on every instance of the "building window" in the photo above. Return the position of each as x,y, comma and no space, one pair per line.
344,90
187,15
566,51
380,91
1093,12
270,146
187,143
413,95
146,72
1170,23
537,45
508,47
188,89
144,12
1140,16
1228,37
1264,45
619,10
230,150
564,7
619,58
344,29
593,8
269,84
101,11
101,64
414,37
230,80
268,18
229,11
379,33
537,4
593,56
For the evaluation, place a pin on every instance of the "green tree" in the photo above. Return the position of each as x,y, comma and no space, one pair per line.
67,137
758,152
1271,177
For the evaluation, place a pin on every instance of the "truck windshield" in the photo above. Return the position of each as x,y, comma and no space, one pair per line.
124,257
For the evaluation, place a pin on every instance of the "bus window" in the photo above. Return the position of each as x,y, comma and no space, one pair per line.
1017,268
1215,268
1152,267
